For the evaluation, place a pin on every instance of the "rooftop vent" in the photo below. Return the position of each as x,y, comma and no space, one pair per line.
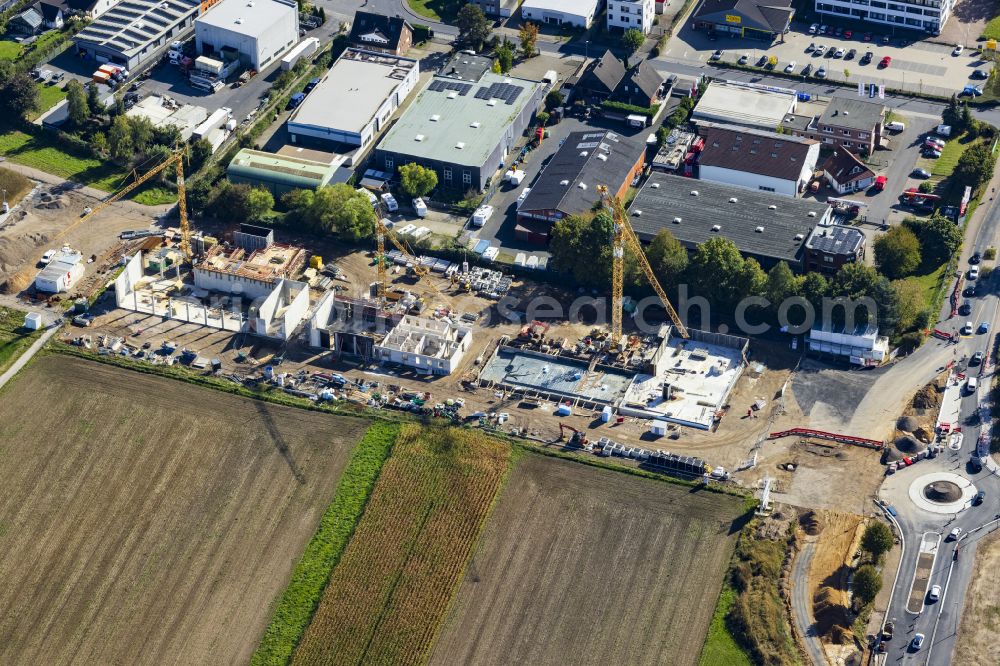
637,213
759,230
694,193
435,118
677,220
460,145
250,4
452,95
474,124
239,21
582,186
564,182
602,157
583,153
716,227
655,186
492,102
733,200
812,213
419,137
772,207
799,236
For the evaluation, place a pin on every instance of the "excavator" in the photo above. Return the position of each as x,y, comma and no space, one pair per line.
577,438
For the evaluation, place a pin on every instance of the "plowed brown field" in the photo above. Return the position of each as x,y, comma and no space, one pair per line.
148,521
580,565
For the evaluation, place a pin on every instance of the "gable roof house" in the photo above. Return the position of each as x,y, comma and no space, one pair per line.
568,184
52,15
640,86
28,22
384,34
602,77
89,8
846,173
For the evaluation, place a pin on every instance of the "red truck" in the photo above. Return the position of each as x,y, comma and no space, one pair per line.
880,183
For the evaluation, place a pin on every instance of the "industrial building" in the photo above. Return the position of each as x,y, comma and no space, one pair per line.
137,32
861,345
848,122
280,174
575,13
756,159
354,100
745,104
61,273
163,111
261,31
429,346
924,15
768,227
753,19
462,124
568,184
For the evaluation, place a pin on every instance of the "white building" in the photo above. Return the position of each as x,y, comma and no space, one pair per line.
281,312
862,346
430,346
628,14
64,271
756,159
355,99
745,104
577,13
927,15
260,30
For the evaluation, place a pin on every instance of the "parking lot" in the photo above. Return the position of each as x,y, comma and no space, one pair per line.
920,66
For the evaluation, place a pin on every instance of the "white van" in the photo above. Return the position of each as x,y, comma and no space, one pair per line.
970,385
896,126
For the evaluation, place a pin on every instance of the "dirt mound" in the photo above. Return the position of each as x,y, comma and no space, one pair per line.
841,635
16,283
908,444
924,435
943,491
928,397
891,455
828,611
907,423
811,523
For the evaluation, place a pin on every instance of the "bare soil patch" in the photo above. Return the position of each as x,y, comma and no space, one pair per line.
147,521
977,642
829,571
582,565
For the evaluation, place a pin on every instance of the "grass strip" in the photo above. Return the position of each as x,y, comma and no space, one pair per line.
300,599
720,646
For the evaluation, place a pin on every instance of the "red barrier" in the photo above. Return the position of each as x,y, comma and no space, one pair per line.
831,436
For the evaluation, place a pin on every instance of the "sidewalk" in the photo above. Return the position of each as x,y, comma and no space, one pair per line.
26,356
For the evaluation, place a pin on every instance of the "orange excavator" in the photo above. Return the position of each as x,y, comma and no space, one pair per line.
577,438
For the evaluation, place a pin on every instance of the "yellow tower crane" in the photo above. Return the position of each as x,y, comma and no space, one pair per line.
381,233
176,159
625,236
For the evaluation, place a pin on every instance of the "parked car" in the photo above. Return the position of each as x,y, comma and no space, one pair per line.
935,593
744,59
974,273
866,58
954,534
979,74
389,202
957,51
839,53
850,54
47,257
84,319
867,37
885,40
312,84
936,140
762,61
848,34
717,55
814,28
807,70
921,173
790,67
931,154
972,91
975,258
965,308
295,100
885,62
977,358
917,642
59,76
522,196
811,47
839,31
819,51
821,73
981,495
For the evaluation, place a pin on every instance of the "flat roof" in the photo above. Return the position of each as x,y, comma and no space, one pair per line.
129,27
785,227
294,170
853,113
247,17
729,102
576,7
558,376
460,123
352,91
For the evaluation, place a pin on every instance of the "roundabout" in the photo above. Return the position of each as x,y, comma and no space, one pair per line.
942,492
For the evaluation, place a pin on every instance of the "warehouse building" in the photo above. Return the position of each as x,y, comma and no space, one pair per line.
260,30
354,101
575,13
756,159
135,33
568,184
768,227
745,104
61,273
463,124
280,174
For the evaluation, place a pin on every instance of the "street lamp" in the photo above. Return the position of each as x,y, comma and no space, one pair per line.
586,46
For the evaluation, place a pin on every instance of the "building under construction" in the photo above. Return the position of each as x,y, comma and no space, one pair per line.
251,267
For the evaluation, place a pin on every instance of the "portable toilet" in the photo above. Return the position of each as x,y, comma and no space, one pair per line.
33,321
658,428
606,414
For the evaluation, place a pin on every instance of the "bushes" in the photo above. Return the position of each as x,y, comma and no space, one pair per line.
421,33
298,603
610,105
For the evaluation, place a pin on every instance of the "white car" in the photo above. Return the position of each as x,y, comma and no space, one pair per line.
974,273
814,28
47,257
839,53
918,642
935,593
967,329
389,202
522,196
790,67
482,214
957,51
955,533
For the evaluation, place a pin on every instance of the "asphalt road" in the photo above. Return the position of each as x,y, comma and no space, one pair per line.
802,603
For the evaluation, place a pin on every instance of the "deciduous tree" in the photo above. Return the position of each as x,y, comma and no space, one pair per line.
77,107
528,36
473,26
633,40
18,96
668,258
867,583
897,253
417,180
877,539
